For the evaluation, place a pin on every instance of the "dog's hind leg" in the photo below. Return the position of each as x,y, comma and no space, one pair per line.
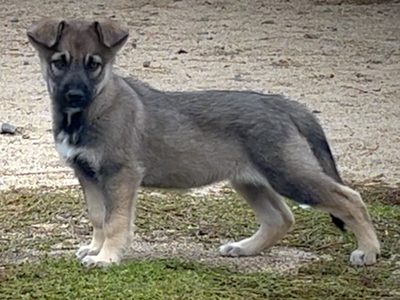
299,176
96,210
274,216
347,205
298,173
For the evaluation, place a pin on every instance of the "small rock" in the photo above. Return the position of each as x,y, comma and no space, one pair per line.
316,111
238,77
182,51
374,61
146,64
312,36
26,63
268,22
134,43
14,20
7,128
377,89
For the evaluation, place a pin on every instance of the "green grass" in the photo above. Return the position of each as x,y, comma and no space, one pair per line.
174,279
38,220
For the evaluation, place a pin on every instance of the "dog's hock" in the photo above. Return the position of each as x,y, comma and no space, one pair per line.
45,33
111,34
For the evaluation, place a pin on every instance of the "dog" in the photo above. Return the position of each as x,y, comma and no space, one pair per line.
119,134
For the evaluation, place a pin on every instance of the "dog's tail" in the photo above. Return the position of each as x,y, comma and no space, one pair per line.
317,140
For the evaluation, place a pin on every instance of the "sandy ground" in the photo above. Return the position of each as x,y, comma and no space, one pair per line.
342,61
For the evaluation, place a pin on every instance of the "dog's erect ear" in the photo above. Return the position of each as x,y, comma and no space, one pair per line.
45,33
111,35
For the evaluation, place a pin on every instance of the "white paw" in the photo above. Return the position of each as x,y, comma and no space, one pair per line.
234,250
83,251
361,258
96,261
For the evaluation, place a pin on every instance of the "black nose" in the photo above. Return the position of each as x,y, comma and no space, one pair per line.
75,97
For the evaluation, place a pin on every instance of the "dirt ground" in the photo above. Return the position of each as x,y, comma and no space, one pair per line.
342,61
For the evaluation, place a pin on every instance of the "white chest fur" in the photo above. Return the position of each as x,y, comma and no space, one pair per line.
65,150
68,152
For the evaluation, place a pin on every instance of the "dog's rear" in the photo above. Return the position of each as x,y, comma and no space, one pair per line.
310,128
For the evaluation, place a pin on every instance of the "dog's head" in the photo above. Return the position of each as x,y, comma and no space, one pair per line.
76,57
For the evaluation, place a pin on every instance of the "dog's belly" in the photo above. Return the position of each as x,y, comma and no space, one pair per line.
185,178
179,181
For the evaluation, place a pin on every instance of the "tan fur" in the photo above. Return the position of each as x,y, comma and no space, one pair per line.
346,204
97,211
274,216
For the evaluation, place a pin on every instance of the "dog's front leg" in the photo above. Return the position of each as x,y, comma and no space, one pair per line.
95,202
119,194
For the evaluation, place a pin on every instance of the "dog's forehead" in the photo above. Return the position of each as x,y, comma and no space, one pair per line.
79,38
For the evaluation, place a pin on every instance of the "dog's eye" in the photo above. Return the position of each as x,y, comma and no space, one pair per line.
93,65
59,64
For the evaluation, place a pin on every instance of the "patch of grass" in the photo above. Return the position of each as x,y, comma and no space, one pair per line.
176,279
39,220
